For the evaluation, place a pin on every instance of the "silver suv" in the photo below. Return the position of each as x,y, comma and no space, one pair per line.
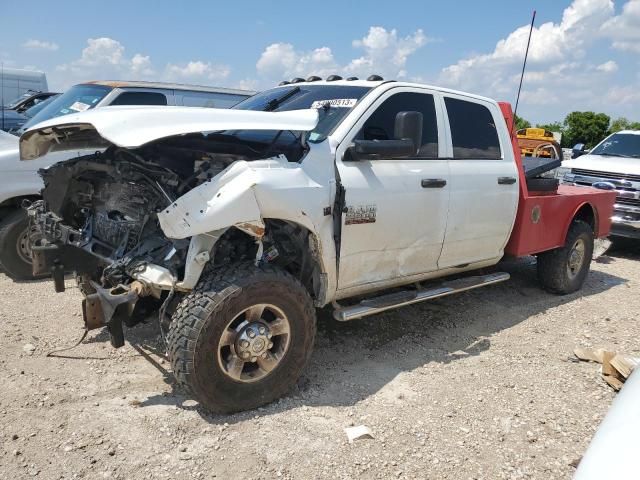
86,96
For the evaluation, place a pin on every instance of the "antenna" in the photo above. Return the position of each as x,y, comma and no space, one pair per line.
524,66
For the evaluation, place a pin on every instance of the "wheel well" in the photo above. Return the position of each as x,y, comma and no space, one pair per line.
587,214
14,203
285,244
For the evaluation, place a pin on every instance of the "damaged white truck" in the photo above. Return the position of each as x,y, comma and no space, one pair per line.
237,223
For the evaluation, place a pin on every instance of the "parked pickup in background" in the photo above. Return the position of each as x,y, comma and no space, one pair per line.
237,223
20,180
614,164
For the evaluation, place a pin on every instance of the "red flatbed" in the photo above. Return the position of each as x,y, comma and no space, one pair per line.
544,218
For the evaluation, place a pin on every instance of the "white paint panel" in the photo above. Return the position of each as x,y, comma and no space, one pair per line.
481,212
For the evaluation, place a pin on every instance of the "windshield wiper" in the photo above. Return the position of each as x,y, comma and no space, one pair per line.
609,154
276,102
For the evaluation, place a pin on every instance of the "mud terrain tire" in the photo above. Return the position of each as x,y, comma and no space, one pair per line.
564,270
204,315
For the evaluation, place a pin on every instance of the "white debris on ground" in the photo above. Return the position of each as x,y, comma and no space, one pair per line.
477,386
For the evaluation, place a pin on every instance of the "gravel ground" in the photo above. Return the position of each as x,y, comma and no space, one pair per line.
480,385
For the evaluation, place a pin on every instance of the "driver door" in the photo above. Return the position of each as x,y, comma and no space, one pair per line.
395,218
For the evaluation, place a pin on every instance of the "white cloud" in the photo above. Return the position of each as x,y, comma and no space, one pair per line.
550,43
626,95
608,67
106,59
624,29
100,51
197,70
141,64
33,44
384,53
281,60
559,78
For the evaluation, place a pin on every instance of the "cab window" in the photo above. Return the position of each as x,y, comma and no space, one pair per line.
380,125
140,98
473,131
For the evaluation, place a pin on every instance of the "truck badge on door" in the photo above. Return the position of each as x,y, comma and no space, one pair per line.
360,214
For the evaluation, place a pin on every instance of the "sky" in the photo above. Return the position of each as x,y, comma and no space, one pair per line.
585,54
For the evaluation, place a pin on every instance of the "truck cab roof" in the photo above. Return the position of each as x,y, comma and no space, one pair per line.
374,84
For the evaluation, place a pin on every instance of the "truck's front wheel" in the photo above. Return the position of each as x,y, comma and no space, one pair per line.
15,249
242,338
565,269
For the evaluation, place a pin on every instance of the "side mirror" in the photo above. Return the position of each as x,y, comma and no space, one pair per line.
408,126
578,150
406,143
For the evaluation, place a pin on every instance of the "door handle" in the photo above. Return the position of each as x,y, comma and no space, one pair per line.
433,183
506,180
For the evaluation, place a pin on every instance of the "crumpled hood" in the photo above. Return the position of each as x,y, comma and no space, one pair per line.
604,163
132,127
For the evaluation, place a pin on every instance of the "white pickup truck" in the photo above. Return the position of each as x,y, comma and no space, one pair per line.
613,164
237,223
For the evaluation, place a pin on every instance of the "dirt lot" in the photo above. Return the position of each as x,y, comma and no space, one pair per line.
475,386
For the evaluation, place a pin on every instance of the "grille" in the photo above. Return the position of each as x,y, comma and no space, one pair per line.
617,176
628,201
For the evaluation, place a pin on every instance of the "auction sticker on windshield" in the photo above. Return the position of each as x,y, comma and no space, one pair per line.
79,107
335,102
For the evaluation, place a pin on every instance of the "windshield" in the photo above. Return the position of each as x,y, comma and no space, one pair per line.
16,101
336,101
77,99
32,111
619,145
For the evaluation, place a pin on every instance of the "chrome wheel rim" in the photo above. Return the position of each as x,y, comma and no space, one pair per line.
254,343
576,258
23,246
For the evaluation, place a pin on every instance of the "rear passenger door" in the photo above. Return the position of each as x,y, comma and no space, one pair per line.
484,188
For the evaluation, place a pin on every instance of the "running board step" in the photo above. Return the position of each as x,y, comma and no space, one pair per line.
390,301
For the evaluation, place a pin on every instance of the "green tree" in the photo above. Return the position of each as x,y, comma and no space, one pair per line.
585,127
619,124
522,123
623,124
552,127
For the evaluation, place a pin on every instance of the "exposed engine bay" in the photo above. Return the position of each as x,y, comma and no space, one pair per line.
98,218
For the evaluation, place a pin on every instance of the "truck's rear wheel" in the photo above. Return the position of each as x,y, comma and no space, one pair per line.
242,338
565,269
15,249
